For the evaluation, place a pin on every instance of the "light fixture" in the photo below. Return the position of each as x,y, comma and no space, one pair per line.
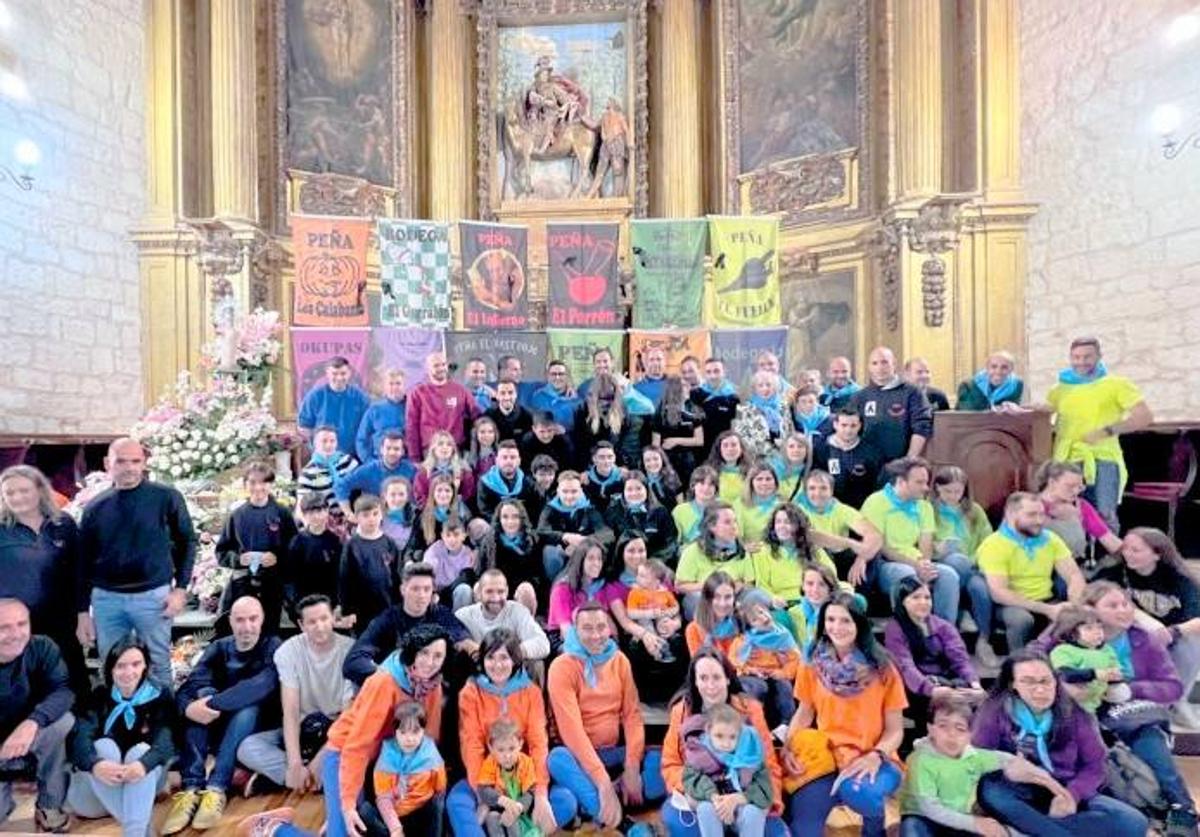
1182,29
27,155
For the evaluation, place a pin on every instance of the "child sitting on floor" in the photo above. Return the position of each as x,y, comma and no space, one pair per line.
650,601
453,562
409,772
726,759
505,788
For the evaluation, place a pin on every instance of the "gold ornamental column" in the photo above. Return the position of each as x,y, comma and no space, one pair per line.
917,93
451,133
678,188
234,111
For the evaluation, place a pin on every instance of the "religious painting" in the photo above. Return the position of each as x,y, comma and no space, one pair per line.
562,104
820,316
795,107
342,94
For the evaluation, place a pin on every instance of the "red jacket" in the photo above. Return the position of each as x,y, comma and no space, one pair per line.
433,407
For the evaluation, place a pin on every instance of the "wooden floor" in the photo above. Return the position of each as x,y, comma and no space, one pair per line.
310,813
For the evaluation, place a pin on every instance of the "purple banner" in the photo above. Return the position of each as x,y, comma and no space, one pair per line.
313,348
402,348
738,347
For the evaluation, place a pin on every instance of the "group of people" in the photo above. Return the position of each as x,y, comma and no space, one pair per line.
485,582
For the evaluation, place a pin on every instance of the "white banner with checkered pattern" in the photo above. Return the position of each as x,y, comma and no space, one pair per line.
414,258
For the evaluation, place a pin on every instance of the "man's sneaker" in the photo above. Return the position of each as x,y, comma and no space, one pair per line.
258,784
264,824
985,655
182,809
52,820
212,808
1181,822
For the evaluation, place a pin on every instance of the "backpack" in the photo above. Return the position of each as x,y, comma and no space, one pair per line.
1131,780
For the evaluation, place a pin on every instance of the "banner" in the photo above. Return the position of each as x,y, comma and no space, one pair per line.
414,273
584,277
313,348
678,345
331,270
495,285
738,348
745,288
489,346
668,264
402,348
575,348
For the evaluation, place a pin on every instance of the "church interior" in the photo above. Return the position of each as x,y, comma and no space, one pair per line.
205,202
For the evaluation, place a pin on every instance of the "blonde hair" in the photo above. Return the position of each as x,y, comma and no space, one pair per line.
457,465
616,411
46,504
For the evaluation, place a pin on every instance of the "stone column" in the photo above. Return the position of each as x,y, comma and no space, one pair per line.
451,135
917,90
234,111
678,189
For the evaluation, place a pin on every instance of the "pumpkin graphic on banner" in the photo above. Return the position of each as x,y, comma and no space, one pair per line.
331,276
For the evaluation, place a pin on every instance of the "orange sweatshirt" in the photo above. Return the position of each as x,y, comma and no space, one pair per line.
695,637
478,709
672,751
782,666
491,774
590,717
408,793
359,731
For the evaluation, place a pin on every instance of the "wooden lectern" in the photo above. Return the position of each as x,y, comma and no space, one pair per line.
999,451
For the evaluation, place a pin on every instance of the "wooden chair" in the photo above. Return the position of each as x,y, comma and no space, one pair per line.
1182,466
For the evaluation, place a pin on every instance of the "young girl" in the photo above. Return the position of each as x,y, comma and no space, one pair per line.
678,427
370,573
791,464
586,578
817,586
763,419
440,505
810,417
484,437
730,460
409,774
443,459
512,546
453,562
962,525
766,657
755,506
661,478
715,622
702,489
1087,664
506,781
637,509
726,759
650,601
399,514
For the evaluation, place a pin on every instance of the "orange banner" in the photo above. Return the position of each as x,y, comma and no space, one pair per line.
677,344
331,270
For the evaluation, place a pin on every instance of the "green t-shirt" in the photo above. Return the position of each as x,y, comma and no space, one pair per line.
687,522
968,530
900,532
783,576
730,485
836,520
1069,655
1031,576
948,783
753,519
696,567
1082,408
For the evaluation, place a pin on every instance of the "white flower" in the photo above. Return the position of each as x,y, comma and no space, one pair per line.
176,470
206,459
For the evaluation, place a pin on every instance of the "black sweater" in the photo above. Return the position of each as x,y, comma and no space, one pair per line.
487,497
512,426
587,520
383,636
655,523
369,577
855,472
34,687
135,540
559,448
312,565
893,415
241,678
36,567
153,724
251,528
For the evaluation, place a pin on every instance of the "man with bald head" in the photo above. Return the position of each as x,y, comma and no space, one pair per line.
438,403
896,415
841,385
231,693
136,548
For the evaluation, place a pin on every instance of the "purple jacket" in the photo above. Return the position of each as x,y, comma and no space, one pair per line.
1154,674
950,658
1076,750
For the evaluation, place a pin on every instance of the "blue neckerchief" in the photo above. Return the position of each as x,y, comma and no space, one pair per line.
654,480
557,505
442,468
494,480
772,410
124,709
398,671
628,578
810,612
833,393
727,468
1124,650
399,763
440,514
765,504
516,683
994,395
810,423
725,628
1070,376
693,531
808,506
955,515
402,516
636,508
725,389
592,588
482,398
773,639
604,482
517,543
1029,544
1038,726
573,647
726,550
327,461
784,470
747,755
637,404
908,508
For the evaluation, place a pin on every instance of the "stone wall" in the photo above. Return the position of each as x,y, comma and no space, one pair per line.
69,292
1115,247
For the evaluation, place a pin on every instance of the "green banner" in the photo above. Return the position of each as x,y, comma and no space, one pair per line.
575,347
668,266
745,271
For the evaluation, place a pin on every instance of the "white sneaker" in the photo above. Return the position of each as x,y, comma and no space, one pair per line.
985,657
1185,717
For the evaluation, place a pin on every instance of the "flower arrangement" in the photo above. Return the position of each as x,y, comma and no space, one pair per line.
209,578
248,350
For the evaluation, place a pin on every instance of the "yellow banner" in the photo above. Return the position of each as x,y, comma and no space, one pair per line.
745,287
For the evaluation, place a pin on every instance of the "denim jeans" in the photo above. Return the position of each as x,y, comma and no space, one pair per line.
131,805
1020,624
226,733
809,807
50,751
1024,808
681,823
914,826
975,586
774,694
1105,493
567,773
117,614
1151,744
750,821
461,804
886,575
554,558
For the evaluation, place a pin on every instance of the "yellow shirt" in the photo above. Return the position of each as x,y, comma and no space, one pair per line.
754,519
900,532
696,567
730,485
686,520
1031,576
836,520
1083,408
